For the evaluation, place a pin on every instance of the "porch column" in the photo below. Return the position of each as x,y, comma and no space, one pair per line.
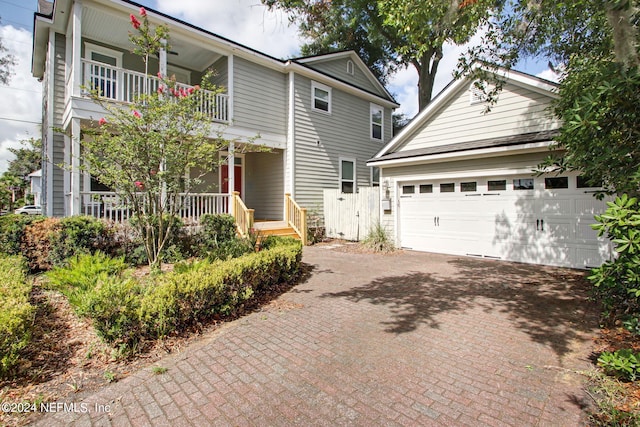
162,59
75,167
231,168
76,47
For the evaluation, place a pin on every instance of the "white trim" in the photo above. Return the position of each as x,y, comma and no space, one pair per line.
371,181
76,64
355,173
372,108
90,48
225,156
75,166
315,85
290,157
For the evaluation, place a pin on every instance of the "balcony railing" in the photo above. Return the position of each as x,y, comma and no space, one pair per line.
123,85
108,205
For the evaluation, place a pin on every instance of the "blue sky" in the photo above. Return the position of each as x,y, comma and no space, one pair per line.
244,21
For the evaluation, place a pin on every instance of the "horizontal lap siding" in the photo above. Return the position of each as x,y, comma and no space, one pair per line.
221,71
264,184
338,68
343,133
259,97
517,111
58,138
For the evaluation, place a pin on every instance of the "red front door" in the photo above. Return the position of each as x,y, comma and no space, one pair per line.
237,176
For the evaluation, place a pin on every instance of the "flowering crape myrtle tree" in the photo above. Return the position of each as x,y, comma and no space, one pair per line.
146,151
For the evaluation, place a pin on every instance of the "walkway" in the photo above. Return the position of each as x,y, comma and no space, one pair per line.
405,339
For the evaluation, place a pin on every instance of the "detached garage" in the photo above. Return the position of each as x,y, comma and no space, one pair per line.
459,180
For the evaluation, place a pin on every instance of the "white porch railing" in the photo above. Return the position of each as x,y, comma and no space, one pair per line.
124,85
108,205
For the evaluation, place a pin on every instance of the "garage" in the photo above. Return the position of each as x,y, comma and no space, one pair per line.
542,220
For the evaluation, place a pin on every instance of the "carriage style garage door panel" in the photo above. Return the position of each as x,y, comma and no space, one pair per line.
544,220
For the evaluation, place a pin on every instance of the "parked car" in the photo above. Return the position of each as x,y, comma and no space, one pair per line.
29,210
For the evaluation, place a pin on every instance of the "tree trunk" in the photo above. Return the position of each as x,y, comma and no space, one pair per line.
427,68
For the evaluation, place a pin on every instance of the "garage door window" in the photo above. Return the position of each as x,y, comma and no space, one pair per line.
468,186
408,189
447,188
426,188
499,185
523,184
586,182
556,183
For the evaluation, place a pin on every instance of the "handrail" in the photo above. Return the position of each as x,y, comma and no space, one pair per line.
296,217
242,215
120,84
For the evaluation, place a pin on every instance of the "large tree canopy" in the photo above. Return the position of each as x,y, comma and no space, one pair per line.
388,34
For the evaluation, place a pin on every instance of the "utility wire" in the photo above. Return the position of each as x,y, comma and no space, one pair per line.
9,119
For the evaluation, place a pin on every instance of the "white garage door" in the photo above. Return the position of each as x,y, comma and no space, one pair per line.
542,220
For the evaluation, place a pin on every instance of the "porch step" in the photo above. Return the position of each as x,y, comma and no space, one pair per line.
274,228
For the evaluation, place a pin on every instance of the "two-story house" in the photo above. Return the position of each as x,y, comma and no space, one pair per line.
322,117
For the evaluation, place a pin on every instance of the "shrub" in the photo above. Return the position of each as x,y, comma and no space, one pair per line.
78,235
12,228
82,274
36,243
204,289
617,282
16,313
624,364
378,240
217,229
113,306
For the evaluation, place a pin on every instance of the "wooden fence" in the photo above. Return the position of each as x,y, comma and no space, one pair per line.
351,216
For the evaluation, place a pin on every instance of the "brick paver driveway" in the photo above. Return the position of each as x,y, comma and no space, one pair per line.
406,339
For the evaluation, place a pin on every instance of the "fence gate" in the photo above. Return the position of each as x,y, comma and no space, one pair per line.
351,216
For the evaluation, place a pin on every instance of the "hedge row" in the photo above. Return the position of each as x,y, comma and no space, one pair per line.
125,310
16,313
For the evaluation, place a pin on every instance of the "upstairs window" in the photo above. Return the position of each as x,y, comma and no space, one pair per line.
377,115
321,97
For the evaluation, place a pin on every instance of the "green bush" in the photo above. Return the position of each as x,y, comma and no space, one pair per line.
78,235
217,229
378,240
12,228
16,313
113,306
624,364
617,282
206,289
82,274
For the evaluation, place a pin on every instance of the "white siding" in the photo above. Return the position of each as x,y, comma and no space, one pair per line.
517,111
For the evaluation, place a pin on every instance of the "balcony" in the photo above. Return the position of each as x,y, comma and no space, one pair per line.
121,85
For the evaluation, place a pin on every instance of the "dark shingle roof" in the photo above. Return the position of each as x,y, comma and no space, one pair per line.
506,141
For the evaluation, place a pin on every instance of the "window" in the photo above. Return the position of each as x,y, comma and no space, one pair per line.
375,177
586,182
468,186
523,184
321,97
408,189
347,175
447,188
377,116
426,188
556,182
102,70
497,185
350,67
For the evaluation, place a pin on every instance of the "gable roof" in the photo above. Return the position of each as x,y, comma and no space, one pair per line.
527,81
345,54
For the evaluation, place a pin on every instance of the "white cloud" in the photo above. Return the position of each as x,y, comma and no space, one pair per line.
247,22
22,99
549,74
